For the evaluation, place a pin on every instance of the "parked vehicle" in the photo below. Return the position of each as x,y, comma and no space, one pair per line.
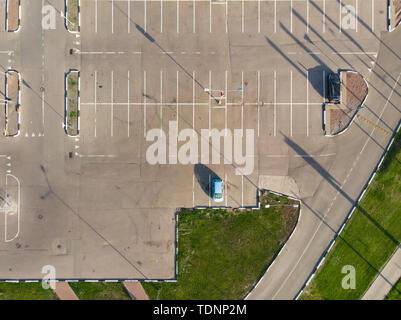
334,87
217,190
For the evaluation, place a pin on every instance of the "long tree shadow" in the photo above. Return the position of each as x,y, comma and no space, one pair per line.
334,183
299,16
209,93
350,38
322,65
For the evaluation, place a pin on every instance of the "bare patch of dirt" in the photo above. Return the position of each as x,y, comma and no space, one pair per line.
356,90
291,218
12,15
338,120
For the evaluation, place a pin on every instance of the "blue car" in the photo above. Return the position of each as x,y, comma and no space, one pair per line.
217,190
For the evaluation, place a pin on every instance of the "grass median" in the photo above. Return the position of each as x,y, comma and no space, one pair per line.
72,103
100,290
369,238
222,253
395,293
25,291
72,15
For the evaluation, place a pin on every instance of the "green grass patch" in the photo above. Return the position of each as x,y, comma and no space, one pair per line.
25,291
100,290
221,254
369,238
72,15
72,103
395,293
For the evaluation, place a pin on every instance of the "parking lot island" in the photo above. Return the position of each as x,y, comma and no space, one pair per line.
12,103
13,15
339,116
71,116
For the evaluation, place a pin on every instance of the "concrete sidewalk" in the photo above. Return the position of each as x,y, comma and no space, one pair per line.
135,290
387,278
64,291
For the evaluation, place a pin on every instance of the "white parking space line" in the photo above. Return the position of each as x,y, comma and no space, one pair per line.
324,86
242,101
210,16
43,110
161,16
356,16
194,16
373,16
339,21
225,187
210,100
209,189
112,104
161,99
307,103
128,98
291,102
145,13
144,103
355,53
95,93
275,16
226,16
242,190
129,16
176,102
193,190
258,102
324,16
307,16
96,16
258,16
112,16
178,16
275,102
193,101
243,14
226,100
291,14
181,104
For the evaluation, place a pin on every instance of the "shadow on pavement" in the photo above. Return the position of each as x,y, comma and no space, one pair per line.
204,176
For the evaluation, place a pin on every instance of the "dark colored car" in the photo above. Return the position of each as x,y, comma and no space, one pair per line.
334,87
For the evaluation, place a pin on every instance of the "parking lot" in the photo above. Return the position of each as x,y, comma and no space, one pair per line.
239,66
145,63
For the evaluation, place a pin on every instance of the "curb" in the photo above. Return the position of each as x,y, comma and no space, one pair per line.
356,110
65,17
66,102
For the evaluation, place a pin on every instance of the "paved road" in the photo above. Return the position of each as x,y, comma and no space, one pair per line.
360,150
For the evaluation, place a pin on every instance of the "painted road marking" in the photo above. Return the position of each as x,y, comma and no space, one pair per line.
128,100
